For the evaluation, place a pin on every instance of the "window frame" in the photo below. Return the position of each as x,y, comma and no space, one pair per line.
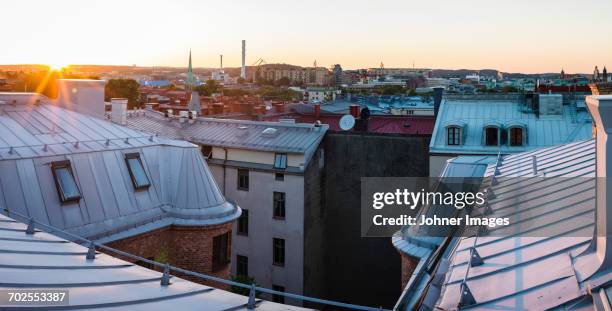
281,248
279,176
65,164
210,152
279,205
244,265
239,174
511,136
243,220
280,161
131,156
454,138
220,257
497,136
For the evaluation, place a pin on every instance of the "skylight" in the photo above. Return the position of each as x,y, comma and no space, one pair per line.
67,188
140,180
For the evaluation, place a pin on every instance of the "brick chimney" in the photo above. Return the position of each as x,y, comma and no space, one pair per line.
598,257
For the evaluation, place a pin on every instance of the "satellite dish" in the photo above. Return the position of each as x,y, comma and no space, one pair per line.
268,107
347,122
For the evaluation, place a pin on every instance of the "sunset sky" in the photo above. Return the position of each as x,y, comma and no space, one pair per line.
514,36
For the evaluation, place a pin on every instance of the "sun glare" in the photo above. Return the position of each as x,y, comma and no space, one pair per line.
57,66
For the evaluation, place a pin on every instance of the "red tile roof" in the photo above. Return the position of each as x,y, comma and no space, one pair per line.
407,125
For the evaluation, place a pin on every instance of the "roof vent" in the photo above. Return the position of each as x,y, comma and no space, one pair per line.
269,132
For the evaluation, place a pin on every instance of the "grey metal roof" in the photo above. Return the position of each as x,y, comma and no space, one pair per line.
182,191
45,261
522,271
545,131
289,137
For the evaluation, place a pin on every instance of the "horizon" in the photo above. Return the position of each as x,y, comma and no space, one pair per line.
527,38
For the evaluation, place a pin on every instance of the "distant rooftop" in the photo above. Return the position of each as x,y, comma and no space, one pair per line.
569,123
241,134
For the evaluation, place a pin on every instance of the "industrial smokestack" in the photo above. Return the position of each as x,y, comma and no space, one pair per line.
221,65
243,69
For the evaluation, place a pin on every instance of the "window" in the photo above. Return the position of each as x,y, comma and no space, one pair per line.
279,205
278,252
220,251
280,161
278,298
64,182
279,176
516,136
137,172
491,136
242,265
453,135
243,179
206,151
243,223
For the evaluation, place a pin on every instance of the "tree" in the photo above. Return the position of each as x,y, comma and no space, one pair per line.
123,88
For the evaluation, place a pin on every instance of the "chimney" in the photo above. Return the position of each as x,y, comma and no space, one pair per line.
438,91
82,95
598,257
119,110
317,110
243,69
354,110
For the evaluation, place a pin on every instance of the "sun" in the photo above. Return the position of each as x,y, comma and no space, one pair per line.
57,66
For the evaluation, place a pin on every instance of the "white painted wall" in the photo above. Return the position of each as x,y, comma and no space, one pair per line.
257,246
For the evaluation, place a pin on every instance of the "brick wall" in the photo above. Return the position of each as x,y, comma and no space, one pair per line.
189,248
408,266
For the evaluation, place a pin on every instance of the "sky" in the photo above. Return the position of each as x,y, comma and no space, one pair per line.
512,36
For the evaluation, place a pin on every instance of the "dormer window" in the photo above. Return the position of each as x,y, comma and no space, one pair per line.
492,136
516,136
65,183
140,180
453,135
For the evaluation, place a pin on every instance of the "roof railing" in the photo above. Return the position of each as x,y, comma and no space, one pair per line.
467,298
167,268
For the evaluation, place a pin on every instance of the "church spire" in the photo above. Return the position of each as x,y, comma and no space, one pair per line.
190,81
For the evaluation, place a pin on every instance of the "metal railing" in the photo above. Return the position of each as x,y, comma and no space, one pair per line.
167,268
467,299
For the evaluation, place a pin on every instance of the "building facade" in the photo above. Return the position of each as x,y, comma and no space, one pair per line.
274,169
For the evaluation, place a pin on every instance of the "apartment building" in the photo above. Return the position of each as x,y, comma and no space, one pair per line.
295,74
274,170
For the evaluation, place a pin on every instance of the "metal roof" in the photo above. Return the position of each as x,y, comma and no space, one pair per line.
289,138
182,190
543,131
520,271
45,261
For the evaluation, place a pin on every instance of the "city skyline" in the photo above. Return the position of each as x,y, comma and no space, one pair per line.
444,34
